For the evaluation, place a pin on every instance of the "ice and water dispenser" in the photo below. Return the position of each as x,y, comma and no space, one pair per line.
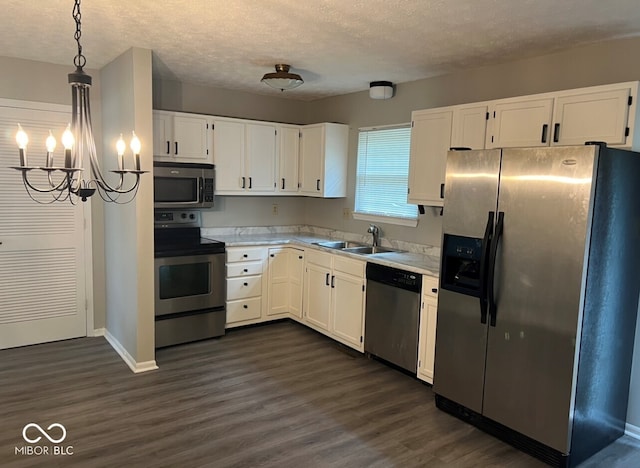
461,265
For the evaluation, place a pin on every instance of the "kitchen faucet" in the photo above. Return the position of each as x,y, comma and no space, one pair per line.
375,230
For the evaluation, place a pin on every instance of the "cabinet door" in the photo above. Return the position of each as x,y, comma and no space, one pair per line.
289,152
162,136
597,116
228,156
260,158
296,273
278,281
430,141
521,123
426,353
311,161
348,308
190,139
317,296
470,127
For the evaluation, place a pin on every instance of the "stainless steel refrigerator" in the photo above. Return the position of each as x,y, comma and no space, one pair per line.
538,298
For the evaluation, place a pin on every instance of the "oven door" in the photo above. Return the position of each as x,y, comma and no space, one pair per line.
189,283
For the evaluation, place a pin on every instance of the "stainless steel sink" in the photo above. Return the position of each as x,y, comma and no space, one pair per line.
368,250
341,245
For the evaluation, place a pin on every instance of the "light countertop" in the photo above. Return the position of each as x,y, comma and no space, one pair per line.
414,262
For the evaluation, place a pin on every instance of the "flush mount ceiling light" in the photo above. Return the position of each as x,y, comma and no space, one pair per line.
68,182
282,79
381,90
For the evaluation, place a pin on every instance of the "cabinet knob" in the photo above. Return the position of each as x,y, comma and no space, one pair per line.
245,255
299,256
246,270
246,284
245,306
434,290
272,255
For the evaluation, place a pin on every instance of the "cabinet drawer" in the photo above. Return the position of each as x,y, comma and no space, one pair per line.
318,258
349,266
244,269
246,254
244,309
429,286
240,288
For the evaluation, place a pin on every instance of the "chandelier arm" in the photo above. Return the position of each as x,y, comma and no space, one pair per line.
60,187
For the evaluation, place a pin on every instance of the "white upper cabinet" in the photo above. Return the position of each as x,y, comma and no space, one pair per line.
600,113
520,122
592,116
260,159
289,153
323,160
228,155
430,141
244,153
470,126
180,137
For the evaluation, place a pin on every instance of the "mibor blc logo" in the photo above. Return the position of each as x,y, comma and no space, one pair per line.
36,438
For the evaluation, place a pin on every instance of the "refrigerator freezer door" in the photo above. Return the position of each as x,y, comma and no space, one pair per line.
545,195
471,190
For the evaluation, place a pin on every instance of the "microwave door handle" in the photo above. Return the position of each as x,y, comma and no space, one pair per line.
201,179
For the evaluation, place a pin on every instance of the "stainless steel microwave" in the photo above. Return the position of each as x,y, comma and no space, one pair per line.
183,185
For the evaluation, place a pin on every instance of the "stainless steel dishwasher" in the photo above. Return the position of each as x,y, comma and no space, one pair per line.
392,315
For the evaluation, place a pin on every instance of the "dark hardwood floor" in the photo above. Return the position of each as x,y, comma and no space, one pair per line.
279,395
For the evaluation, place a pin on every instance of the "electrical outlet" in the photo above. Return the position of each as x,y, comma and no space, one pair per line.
274,210
346,213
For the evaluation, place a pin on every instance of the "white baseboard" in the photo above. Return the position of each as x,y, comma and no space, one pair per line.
136,367
632,431
99,332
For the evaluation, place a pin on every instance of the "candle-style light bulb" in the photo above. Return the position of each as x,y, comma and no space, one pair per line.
135,147
67,138
21,138
68,141
135,143
51,147
120,147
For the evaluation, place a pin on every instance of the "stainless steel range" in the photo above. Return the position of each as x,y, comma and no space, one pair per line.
190,284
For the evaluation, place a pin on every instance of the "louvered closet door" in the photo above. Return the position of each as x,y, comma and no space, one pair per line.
42,265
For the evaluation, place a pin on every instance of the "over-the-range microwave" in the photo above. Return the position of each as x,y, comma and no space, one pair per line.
183,185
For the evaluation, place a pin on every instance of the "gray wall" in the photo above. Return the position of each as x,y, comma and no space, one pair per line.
127,104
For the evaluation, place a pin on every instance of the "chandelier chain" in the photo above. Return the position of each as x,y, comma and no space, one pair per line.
79,60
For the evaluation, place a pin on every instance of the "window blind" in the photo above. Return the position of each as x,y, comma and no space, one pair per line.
383,173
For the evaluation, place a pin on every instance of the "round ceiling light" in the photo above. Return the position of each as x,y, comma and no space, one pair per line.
282,79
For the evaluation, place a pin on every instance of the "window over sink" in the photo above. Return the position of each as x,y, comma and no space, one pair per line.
382,176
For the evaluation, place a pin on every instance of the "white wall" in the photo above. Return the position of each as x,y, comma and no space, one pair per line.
127,104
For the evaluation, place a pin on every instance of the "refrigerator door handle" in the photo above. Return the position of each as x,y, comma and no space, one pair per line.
493,309
486,242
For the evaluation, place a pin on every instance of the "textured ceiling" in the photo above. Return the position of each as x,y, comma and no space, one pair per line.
338,46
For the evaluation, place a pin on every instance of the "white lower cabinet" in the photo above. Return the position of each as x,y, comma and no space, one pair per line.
285,273
427,335
334,296
245,285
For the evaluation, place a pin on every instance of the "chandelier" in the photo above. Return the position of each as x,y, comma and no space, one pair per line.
68,182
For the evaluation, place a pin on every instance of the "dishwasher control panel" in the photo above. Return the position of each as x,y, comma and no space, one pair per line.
394,277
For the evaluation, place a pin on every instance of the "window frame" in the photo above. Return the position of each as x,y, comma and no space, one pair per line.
380,218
